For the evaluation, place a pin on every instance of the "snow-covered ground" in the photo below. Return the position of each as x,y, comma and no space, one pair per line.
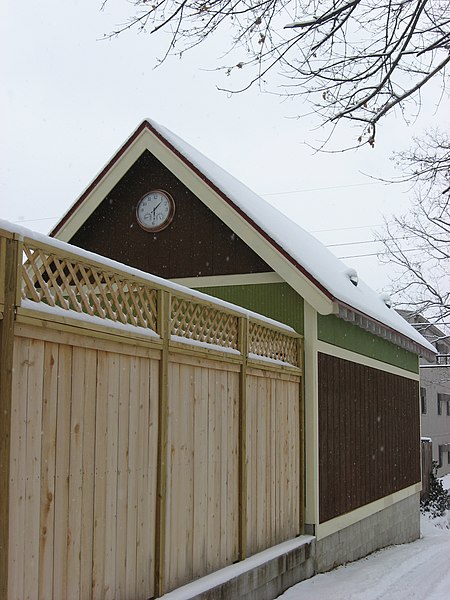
420,570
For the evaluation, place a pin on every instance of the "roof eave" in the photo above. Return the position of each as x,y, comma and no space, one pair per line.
59,227
351,315
328,304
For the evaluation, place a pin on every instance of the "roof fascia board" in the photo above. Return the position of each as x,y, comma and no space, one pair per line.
108,178
146,139
355,317
236,222
229,280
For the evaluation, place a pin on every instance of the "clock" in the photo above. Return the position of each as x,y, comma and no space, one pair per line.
155,210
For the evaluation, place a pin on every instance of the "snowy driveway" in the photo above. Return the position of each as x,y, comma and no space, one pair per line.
420,570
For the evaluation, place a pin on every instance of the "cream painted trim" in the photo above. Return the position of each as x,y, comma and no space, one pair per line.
224,280
146,140
311,416
325,529
326,348
102,189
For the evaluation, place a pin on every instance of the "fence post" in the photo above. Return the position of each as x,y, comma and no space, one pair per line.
9,267
300,364
164,303
243,347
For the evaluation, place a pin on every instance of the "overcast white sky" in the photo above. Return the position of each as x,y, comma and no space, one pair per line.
69,100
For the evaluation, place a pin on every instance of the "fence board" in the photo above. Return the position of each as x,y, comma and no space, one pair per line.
144,528
88,474
18,468
122,477
48,464
98,554
75,474
98,464
133,453
110,475
200,410
62,471
151,495
273,450
83,487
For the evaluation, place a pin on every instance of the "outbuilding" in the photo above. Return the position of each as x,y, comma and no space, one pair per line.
162,207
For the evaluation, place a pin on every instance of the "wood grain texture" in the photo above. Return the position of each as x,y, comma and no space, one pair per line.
273,461
196,243
84,466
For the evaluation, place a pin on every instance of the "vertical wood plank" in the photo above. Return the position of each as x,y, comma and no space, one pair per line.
62,471
133,453
17,492
110,514
152,478
243,437
75,474
171,513
260,462
272,436
88,475
187,386
224,459
144,525
98,551
164,316
214,435
48,470
10,262
200,408
122,477
251,483
233,468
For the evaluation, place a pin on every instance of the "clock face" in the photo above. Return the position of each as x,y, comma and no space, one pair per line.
155,210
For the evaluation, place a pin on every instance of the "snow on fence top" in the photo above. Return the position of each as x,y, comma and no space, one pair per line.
60,277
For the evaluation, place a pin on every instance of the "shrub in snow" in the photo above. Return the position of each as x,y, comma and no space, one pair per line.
438,500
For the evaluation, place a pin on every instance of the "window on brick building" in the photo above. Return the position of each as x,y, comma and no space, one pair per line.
423,400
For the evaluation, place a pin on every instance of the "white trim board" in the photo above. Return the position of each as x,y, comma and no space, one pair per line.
332,350
229,280
325,529
147,140
311,419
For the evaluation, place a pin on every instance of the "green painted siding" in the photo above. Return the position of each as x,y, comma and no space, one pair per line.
276,300
345,335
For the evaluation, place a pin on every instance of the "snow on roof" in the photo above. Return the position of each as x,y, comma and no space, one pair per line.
303,249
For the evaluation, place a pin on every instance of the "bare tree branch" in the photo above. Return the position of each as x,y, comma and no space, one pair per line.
418,243
352,59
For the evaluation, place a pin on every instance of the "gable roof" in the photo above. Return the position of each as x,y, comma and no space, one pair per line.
299,258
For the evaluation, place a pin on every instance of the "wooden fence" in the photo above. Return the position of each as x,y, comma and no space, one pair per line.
149,435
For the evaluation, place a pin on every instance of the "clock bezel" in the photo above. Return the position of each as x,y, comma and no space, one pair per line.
169,218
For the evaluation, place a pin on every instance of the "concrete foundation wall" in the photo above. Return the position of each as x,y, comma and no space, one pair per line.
266,576
396,524
263,576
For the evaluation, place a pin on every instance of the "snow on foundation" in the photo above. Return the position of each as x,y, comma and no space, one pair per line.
220,577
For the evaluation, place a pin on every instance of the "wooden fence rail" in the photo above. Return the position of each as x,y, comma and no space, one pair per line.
151,434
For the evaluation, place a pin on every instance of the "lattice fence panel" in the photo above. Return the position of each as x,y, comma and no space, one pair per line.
203,323
270,343
74,285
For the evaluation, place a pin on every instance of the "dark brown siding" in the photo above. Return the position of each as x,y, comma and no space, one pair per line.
197,243
369,435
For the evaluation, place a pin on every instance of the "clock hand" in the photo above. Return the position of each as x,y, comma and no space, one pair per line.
153,211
